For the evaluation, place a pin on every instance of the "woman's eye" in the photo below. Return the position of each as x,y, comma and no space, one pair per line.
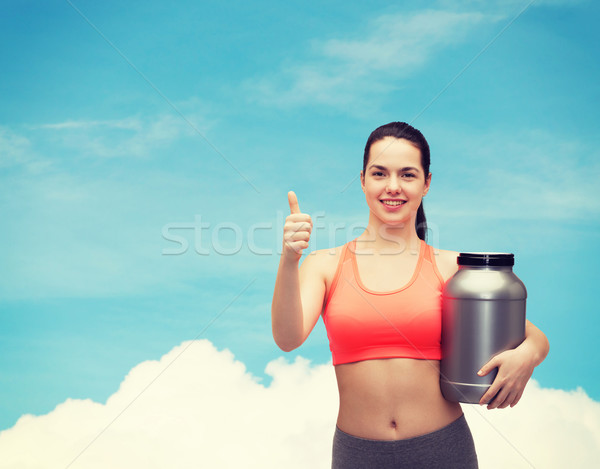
380,173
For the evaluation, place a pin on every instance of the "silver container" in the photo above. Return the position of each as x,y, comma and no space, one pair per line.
483,314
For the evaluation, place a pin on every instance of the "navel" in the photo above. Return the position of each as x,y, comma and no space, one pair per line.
393,424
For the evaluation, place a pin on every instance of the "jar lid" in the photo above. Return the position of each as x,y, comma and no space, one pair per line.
486,258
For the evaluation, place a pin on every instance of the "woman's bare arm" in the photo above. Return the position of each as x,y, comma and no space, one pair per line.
536,342
299,291
297,300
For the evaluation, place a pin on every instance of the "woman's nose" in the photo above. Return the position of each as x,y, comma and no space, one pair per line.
393,185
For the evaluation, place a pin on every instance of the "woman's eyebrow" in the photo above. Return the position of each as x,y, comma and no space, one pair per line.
383,168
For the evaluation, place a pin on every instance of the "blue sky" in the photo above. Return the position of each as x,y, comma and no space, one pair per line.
125,129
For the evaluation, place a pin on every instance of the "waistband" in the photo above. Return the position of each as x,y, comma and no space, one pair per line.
434,438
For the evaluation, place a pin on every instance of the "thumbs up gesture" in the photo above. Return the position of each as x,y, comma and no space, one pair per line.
296,230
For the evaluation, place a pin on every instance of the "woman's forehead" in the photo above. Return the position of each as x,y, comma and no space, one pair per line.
392,153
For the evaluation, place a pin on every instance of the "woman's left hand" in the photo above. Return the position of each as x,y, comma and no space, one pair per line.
515,367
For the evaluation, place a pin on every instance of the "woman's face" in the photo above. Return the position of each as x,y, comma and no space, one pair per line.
394,182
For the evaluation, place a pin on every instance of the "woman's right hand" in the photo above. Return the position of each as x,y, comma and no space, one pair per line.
296,230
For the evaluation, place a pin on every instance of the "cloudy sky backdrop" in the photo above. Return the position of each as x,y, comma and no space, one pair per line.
146,150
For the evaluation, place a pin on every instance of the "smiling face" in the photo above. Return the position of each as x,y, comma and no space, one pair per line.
394,181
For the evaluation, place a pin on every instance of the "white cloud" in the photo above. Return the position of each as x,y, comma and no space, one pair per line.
128,137
129,123
201,408
548,428
354,73
506,6
131,136
400,42
529,175
16,150
352,70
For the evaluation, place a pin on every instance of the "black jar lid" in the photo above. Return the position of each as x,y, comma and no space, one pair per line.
486,258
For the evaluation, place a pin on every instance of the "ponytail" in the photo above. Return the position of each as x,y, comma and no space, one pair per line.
421,223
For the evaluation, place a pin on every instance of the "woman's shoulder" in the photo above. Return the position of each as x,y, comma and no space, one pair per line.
324,261
446,262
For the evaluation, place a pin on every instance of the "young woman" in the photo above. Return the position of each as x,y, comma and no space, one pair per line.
380,297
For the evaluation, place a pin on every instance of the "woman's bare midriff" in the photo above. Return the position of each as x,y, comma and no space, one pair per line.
392,399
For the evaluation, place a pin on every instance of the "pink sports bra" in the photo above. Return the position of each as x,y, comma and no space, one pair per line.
363,324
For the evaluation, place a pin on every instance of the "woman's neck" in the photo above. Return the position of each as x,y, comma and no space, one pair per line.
381,238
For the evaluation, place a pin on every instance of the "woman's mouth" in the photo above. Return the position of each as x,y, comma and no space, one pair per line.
393,204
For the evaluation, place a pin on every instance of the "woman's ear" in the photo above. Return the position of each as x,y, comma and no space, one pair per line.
362,181
427,184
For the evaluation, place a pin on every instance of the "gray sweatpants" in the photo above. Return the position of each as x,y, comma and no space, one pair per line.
450,447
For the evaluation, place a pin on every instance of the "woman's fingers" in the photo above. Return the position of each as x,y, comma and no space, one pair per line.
298,234
296,230
514,371
517,399
498,399
491,393
507,400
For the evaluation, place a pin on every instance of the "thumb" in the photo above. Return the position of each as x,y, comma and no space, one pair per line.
489,366
293,201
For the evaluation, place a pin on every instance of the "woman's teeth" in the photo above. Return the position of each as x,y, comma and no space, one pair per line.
395,202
